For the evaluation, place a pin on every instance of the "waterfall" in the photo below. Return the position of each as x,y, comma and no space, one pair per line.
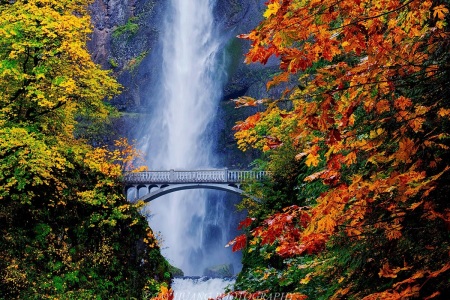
179,136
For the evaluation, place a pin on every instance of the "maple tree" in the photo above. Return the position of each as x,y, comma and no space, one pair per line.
369,85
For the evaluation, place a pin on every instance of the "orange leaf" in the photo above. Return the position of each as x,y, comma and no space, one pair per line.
382,106
402,103
250,122
435,294
416,124
440,11
406,149
296,296
350,158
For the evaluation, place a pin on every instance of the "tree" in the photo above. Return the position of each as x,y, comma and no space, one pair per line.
370,111
67,230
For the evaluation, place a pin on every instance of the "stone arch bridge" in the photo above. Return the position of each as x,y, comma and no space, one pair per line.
147,186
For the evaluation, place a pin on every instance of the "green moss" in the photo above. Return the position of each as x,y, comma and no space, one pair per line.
174,271
129,28
135,62
113,63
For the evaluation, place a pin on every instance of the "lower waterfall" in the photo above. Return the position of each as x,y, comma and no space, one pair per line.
199,288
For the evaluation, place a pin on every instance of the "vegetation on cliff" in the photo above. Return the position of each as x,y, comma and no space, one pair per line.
67,231
357,208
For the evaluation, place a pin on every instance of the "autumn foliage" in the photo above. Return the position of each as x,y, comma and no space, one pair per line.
368,83
66,229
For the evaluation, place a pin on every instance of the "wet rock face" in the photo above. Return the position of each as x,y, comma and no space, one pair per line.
106,15
239,15
125,40
124,35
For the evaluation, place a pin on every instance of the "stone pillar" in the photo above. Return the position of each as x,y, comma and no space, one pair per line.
136,193
225,175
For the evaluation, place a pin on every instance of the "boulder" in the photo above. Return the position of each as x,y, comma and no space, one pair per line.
224,270
175,272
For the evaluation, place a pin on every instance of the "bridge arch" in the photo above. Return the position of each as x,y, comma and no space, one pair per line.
167,189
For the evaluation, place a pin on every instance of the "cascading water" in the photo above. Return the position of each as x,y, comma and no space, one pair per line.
199,288
192,223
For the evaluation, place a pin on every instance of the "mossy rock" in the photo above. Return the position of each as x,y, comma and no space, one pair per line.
224,270
176,272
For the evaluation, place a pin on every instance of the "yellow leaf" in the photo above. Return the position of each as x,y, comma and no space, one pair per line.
312,160
306,279
272,9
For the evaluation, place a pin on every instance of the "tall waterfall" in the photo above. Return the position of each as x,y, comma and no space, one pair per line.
184,105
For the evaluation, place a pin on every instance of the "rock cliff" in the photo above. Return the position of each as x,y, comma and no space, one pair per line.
125,39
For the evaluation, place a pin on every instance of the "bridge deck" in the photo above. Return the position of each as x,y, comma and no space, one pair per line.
197,176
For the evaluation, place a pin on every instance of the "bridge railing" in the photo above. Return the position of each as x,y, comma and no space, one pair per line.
200,176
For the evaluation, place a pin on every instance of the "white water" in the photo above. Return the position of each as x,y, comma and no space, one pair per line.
191,223
199,288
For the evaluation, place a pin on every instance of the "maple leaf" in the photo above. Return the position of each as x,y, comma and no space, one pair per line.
334,136
402,103
250,122
443,112
393,233
416,124
247,101
312,160
273,142
238,243
350,158
387,272
296,296
383,106
440,11
245,223
407,148
272,9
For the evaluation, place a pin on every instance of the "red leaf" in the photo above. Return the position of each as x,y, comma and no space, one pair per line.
334,136
247,222
238,243
273,142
